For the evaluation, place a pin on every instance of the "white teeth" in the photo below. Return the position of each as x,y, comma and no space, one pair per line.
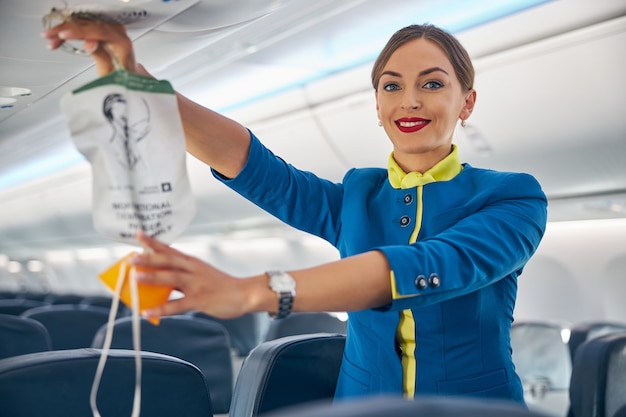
411,124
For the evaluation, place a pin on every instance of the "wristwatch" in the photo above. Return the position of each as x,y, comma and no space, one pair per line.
285,287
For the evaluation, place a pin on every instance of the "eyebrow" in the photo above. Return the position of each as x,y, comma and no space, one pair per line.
421,74
431,70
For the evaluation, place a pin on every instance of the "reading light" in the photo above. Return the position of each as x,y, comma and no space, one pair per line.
8,96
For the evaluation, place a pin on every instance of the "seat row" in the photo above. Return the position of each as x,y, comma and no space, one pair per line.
555,379
58,382
12,303
534,366
197,338
245,332
293,376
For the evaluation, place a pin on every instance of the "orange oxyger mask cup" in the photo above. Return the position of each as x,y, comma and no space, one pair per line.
149,295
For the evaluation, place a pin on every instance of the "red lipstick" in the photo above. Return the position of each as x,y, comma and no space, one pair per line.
411,124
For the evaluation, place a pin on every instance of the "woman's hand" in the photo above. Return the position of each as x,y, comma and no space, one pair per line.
205,288
106,42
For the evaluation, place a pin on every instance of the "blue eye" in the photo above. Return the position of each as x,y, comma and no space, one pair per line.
433,85
391,87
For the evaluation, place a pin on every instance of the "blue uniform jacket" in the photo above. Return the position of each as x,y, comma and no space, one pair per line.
455,246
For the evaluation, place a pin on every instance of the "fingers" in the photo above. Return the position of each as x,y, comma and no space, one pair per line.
107,43
152,243
164,277
161,256
87,30
170,308
162,265
205,287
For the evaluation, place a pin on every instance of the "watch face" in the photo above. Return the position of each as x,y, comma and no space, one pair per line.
282,282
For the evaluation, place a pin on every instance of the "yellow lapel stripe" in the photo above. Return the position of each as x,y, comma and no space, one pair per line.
445,170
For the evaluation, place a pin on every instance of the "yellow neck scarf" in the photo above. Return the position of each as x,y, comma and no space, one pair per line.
444,170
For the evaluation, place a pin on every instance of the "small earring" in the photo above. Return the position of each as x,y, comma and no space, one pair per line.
463,124
380,123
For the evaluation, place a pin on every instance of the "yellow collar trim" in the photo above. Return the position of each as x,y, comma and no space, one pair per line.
444,170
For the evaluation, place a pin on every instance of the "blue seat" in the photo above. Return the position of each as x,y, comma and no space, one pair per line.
21,335
287,371
305,323
245,332
396,406
201,342
58,384
54,298
105,301
583,331
598,384
17,306
98,300
24,295
70,326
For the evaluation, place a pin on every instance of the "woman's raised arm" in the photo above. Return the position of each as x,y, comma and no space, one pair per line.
214,139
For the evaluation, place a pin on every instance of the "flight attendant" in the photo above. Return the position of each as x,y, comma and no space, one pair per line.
431,248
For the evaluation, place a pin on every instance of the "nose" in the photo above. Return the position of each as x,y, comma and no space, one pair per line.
410,100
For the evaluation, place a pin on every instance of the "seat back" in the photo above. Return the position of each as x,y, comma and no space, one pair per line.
581,332
58,384
305,323
23,295
21,335
245,332
287,371
54,298
543,362
17,306
598,384
201,342
397,406
106,301
70,326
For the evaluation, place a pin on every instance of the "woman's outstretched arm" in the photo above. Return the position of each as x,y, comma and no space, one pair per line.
216,140
350,284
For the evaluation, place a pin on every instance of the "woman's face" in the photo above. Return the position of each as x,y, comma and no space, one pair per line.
419,101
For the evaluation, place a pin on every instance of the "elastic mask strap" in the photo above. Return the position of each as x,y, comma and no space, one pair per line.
109,336
134,296
116,63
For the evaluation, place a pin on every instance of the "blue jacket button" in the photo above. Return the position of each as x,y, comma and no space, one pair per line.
420,282
434,281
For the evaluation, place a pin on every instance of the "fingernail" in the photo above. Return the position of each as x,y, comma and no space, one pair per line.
64,34
149,314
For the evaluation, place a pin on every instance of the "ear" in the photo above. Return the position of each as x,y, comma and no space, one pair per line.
377,105
468,105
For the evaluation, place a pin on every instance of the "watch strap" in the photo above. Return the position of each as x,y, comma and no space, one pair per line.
285,303
285,295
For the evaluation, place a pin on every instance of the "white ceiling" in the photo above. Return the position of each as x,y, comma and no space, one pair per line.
549,79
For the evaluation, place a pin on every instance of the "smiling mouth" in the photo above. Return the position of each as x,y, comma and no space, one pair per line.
409,126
